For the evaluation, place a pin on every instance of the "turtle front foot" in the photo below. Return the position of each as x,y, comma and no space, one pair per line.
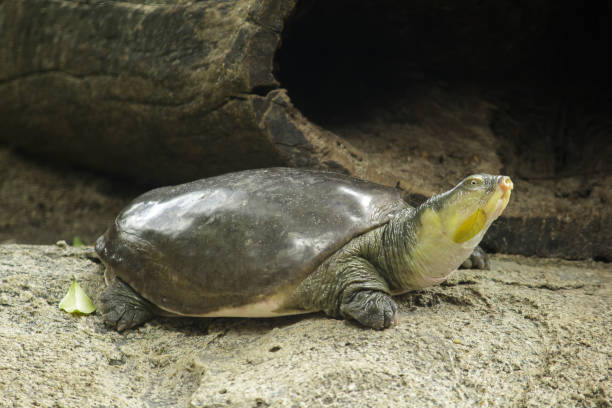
477,260
373,309
122,308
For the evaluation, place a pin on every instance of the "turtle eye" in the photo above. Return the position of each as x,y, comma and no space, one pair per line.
474,181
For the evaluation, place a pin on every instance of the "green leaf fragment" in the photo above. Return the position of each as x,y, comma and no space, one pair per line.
76,241
76,300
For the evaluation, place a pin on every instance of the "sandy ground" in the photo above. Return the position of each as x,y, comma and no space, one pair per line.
41,203
528,333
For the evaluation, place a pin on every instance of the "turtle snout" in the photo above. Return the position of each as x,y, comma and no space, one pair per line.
505,183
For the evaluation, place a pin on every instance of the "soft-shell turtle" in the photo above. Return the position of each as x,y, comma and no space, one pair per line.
280,241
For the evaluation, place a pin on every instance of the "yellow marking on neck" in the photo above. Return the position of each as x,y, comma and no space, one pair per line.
470,227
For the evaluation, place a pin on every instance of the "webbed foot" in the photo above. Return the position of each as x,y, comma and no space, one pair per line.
122,308
477,260
373,309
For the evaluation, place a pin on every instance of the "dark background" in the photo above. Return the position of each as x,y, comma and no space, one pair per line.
420,94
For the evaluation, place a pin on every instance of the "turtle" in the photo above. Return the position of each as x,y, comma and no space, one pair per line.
283,241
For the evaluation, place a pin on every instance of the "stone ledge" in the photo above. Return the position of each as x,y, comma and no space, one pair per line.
530,332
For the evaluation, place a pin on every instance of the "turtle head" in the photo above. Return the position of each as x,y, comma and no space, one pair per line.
445,229
466,212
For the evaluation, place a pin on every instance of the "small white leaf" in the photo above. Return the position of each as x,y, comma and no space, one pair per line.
76,300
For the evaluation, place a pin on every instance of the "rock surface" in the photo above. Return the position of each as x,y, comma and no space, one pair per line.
530,332
41,204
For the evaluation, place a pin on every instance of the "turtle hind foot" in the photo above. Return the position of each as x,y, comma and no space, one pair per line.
477,260
122,308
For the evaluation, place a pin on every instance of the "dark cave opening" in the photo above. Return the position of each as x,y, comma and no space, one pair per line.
543,66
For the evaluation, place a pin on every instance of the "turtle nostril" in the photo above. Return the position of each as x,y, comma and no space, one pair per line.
506,184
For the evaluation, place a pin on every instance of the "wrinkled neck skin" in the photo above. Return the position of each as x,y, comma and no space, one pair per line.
417,249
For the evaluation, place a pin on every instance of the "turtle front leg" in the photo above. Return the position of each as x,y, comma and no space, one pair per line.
477,260
371,308
349,287
122,308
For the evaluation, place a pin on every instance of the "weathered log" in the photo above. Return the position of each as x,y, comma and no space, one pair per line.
156,92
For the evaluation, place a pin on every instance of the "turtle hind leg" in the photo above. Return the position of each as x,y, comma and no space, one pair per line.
122,308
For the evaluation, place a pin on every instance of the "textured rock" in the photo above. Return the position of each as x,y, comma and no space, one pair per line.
530,332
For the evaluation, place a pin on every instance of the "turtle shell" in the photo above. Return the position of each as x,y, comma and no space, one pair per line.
235,239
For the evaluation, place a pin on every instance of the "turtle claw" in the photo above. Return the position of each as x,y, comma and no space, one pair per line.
122,308
372,309
477,260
